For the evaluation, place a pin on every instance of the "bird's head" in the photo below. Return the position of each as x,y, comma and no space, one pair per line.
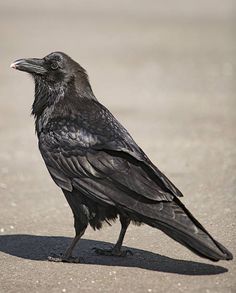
55,75
57,67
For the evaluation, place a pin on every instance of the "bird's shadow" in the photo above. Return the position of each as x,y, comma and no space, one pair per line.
39,247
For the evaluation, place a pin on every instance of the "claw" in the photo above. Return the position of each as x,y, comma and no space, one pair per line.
55,257
112,252
60,258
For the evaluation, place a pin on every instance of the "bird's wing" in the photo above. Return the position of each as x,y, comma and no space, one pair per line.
103,161
127,147
105,176
114,137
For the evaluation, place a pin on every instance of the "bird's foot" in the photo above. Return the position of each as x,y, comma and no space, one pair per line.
112,252
61,258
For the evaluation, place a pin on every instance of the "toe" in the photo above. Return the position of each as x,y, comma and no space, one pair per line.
112,252
61,258
55,258
71,260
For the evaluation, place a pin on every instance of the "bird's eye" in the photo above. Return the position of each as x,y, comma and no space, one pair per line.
54,65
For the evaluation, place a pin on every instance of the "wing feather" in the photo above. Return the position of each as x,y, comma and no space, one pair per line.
108,171
77,149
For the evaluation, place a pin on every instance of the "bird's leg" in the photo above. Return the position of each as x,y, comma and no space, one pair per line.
81,215
67,256
116,250
80,227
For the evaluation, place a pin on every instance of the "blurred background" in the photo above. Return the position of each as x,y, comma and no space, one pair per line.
166,70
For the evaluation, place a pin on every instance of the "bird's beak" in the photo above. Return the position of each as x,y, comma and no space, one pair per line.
30,65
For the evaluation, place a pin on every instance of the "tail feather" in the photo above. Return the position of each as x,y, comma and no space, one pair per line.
178,223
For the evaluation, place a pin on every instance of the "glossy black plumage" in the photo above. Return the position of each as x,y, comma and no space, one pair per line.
101,170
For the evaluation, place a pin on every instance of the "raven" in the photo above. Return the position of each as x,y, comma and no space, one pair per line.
102,172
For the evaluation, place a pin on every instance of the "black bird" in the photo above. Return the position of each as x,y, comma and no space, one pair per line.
102,172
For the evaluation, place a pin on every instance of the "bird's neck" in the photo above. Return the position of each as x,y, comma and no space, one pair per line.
46,99
59,100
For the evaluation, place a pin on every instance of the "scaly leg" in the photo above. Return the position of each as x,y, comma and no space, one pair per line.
116,250
67,256
80,222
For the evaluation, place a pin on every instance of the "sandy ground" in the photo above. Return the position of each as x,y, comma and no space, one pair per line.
167,71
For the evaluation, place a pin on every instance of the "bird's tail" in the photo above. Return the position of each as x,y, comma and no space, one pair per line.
177,222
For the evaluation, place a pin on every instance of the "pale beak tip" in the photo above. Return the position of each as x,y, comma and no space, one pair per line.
13,65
